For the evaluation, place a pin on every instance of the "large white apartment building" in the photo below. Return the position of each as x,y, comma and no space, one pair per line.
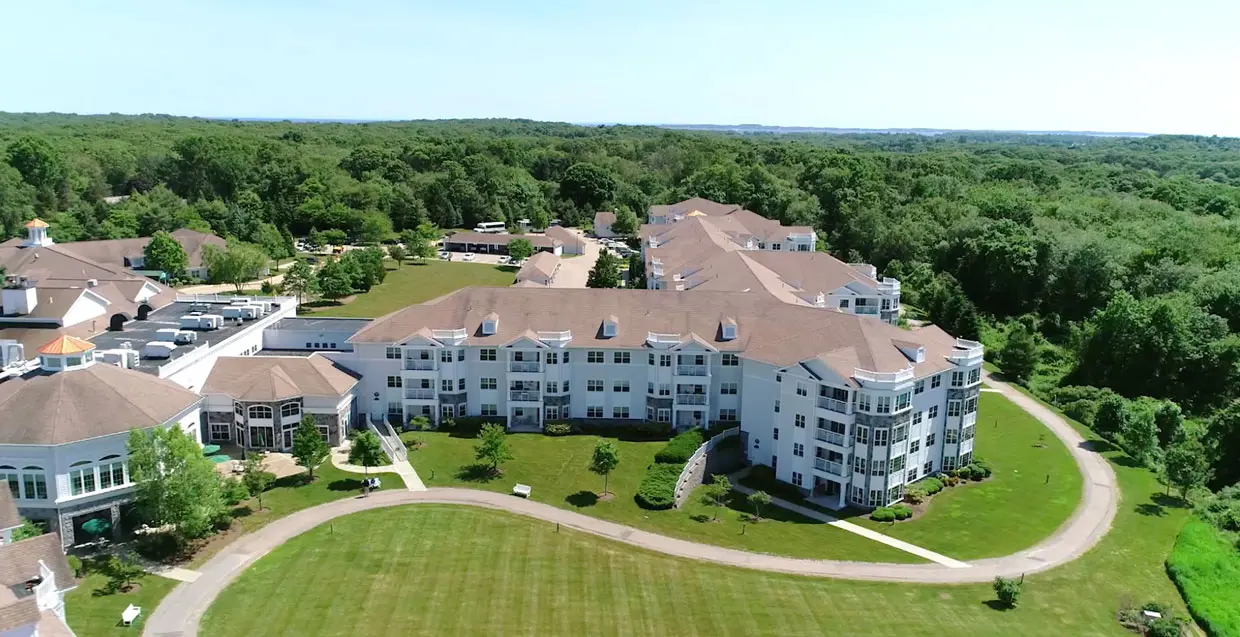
702,245
845,406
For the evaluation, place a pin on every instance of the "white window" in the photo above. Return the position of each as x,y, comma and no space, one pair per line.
594,385
290,410
594,356
9,474
914,445
445,356
446,385
957,379
486,354
950,436
953,408
730,360
34,482
799,421
393,381
966,433
665,360
649,413
389,352
897,464
619,412
903,401
553,387
970,405
797,478
917,418
863,401
775,433
949,463
490,410
219,430
859,465
861,434
928,468
81,480
802,389
899,433
777,405
553,358
919,386
621,386
911,475
878,467
933,413
936,380
877,497
798,449
665,415
488,383
111,472
594,412
566,384
883,405
665,389
975,376
858,495
727,389
929,440
727,415
260,411
622,358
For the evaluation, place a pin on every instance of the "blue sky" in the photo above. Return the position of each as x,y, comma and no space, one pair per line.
1107,65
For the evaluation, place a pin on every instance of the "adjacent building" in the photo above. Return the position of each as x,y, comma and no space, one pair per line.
845,406
34,577
490,243
538,270
602,224
705,246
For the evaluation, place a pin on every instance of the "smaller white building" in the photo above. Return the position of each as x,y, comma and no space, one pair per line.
602,224
34,577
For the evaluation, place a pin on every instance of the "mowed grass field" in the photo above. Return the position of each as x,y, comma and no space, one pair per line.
418,281
440,570
92,612
1035,488
556,468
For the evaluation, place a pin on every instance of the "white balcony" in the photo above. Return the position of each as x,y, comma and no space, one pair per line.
419,365
524,397
969,419
691,370
831,404
556,338
654,338
889,285
883,377
691,399
420,394
967,352
830,437
833,468
455,337
529,367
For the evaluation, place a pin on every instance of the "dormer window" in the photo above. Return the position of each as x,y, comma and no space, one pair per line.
490,324
611,326
727,329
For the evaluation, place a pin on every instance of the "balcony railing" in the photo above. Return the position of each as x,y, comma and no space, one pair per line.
525,366
655,338
690,370
833,468
419,365
966,352
831,437
831,404
524,396
969,419
691,399
889,284
865,309
883,377
454,336
420,394
556,337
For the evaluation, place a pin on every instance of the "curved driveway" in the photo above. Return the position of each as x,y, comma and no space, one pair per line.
181,611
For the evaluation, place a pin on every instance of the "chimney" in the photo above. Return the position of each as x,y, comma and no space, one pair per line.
19,296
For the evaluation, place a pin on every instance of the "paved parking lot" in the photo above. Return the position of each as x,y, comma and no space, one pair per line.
574,272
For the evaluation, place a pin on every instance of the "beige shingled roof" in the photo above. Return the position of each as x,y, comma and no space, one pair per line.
19,561
484,238
541,265
267,378
115,251
767,329
604,218
53,408
9,518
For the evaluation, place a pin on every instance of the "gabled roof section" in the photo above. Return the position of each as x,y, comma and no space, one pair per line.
270,378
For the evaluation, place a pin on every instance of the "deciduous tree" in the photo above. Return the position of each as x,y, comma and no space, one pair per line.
520,249
165,253
759,500
255,476
716,493
173,482
1186,465
299,279
587,185
605,460
309,448
367,451
492,447
237,264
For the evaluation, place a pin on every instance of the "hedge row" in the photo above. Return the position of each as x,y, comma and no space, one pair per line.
678,450
1205,566
658,487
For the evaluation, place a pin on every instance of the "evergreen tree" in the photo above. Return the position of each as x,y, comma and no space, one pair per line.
1019,355
606,271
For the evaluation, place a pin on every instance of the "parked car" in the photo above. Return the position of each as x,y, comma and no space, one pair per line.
445,255
469,256
505,259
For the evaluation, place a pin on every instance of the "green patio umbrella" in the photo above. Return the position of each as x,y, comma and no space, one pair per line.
97,526
208,450
220,459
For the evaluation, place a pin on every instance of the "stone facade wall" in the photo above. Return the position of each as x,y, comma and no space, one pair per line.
709,459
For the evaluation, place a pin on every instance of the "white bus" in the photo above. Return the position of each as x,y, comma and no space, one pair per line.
494,227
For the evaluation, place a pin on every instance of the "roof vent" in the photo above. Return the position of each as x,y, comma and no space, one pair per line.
490,324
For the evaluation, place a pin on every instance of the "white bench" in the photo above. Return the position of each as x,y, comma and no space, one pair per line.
522,490
130,613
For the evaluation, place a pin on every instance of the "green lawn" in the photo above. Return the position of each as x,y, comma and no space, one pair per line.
556,469
290,495
1034,490
418,281
94,613
439,570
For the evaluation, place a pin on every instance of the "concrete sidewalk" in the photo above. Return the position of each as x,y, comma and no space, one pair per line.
340,460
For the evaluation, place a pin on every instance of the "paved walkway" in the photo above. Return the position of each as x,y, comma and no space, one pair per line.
181,611
574,272
815,514
340,460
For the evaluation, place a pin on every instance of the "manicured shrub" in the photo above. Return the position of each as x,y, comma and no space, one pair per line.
1007,590
964,473
901,511
557,429
75,563
915,495
883,514
931,485
658,487
1205,566
679,449
951,481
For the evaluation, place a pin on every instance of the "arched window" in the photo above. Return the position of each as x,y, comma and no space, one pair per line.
260,411
111,472
34,482
9,473
290,410
82,479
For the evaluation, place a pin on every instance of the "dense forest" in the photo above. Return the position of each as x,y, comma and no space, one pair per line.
1104,273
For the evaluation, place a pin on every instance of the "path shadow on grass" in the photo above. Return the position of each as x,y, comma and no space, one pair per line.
476,473
582,499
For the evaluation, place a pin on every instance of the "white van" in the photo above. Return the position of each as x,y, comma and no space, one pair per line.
492,227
